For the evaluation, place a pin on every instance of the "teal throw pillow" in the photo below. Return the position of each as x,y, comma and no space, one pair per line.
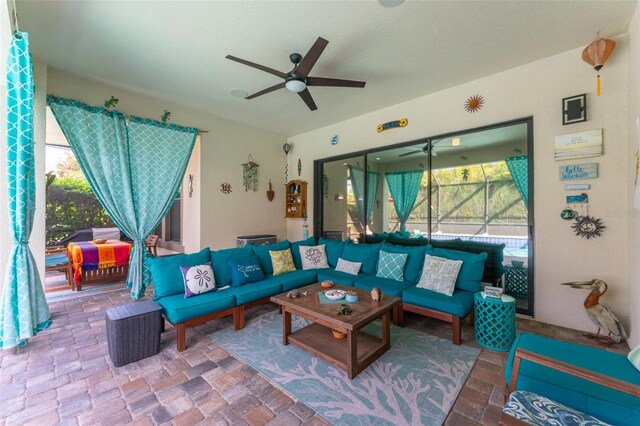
219,260
415,259
391,265
295,250
166,274
470,275
367,254
245,271
262,252
333,249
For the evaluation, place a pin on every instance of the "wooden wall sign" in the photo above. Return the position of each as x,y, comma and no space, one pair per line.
392,125
579,171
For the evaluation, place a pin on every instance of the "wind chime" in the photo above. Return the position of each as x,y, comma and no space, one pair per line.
250,175
596,54
584,225
286,147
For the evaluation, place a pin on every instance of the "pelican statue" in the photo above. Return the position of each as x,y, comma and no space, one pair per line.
602,317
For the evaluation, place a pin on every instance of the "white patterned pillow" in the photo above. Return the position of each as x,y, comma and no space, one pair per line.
198,279
313,257
352,268
439,274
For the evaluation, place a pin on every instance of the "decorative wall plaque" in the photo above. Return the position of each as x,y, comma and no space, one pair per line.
392,125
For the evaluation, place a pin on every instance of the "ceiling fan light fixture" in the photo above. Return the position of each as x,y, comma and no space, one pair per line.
239,93
296,85
390,3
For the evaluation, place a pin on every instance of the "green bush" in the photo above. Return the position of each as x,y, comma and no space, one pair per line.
72,205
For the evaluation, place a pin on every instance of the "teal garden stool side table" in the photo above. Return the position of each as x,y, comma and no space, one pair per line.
495,321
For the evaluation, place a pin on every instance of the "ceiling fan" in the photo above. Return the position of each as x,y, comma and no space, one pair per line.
297,80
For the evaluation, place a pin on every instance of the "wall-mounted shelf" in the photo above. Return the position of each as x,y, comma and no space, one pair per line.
295,199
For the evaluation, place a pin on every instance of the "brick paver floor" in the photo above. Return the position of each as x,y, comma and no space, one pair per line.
65,376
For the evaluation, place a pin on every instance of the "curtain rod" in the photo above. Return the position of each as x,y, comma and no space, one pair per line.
14,19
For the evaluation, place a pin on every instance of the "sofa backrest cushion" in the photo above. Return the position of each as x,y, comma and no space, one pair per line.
245,270
262,252
367,254
406,241
166,274
470,275
219,260
493,268
295,250
413,268
333,249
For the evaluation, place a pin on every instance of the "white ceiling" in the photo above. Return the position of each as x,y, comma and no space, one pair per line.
175,50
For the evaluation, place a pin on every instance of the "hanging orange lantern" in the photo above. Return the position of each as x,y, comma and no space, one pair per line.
596,54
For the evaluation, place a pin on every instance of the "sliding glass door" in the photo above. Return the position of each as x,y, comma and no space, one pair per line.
472,185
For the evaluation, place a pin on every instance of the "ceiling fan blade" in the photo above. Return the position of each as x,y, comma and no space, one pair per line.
417,151
306,97
304,67
258,66
267,90
333,82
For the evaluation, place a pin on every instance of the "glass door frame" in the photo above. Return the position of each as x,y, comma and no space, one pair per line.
318,172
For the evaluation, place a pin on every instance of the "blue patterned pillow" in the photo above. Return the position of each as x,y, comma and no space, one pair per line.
391,265
198,279
245,271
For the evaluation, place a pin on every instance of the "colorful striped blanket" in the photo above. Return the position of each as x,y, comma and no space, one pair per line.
87,255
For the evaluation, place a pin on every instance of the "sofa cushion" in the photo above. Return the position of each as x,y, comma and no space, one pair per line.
262,252
388,286
295,250
537,410
313,257
391,265
493,268
338,277
198,279
367,254
178,309
166,274
404,241
606,404
297,279
439,274
352,268
460,303
470,276
415,259
333,249
256,291
244,271
219,259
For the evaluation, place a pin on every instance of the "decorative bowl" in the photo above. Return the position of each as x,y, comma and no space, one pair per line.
326,284
338,334
100,241
517,263
335,294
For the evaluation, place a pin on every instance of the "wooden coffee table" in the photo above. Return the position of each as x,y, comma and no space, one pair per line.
352,354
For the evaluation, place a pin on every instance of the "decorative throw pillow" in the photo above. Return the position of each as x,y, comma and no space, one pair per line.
439,274
634,357
391,265
313,257
282,262
244,271
198,279
347,267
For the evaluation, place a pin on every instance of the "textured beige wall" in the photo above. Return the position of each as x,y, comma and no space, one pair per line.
633,215
535,89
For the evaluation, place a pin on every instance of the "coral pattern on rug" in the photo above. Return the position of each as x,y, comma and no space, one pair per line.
416,382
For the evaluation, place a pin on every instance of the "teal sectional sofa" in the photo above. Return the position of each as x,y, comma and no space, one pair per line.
594,381
184,312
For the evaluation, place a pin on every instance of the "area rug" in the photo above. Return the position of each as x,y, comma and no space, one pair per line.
416,382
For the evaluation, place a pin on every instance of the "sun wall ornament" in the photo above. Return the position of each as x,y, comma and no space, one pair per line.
225,188
596,54
588,227
250,175
474,104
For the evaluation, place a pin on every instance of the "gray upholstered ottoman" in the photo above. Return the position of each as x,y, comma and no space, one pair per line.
133,331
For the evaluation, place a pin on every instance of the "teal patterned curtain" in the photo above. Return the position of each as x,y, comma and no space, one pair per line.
404,188
134,166
356,175
518,167
24,311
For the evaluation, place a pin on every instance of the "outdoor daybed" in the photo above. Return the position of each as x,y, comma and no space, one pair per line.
186,312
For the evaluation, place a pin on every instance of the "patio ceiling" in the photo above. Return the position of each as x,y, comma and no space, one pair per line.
175,50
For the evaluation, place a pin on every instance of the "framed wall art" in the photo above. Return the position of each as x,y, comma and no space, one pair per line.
578,145
574,109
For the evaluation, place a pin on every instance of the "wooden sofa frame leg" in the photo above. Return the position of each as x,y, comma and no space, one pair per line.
181,328
238,312
455,320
